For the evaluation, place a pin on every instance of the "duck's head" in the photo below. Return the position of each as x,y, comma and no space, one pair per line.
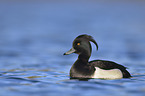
81,45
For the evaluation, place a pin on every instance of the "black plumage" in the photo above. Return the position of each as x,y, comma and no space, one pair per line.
82,68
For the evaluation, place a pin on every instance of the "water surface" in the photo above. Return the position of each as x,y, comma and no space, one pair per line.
34,36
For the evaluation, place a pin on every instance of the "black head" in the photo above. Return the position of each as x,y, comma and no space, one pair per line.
81,45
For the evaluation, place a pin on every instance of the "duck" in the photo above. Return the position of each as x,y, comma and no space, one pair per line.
85,69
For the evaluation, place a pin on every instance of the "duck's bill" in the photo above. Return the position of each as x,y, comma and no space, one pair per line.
72,50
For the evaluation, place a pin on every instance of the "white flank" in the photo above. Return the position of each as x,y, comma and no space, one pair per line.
107,74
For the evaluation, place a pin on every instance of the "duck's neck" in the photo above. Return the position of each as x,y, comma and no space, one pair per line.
84,57
81,68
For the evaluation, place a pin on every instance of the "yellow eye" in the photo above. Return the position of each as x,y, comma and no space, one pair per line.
78,43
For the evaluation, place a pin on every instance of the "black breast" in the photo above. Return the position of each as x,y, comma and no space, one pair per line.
80,70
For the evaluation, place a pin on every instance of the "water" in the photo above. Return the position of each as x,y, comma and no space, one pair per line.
34,35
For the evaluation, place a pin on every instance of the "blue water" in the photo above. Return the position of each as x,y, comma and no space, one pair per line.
35,34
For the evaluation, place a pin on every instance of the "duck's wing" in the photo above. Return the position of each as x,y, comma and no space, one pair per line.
107,65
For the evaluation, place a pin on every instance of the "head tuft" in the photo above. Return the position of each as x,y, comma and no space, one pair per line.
88,38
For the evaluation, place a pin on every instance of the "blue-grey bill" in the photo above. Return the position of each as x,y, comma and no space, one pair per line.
72,50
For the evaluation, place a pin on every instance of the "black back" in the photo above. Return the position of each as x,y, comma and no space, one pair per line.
107,65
